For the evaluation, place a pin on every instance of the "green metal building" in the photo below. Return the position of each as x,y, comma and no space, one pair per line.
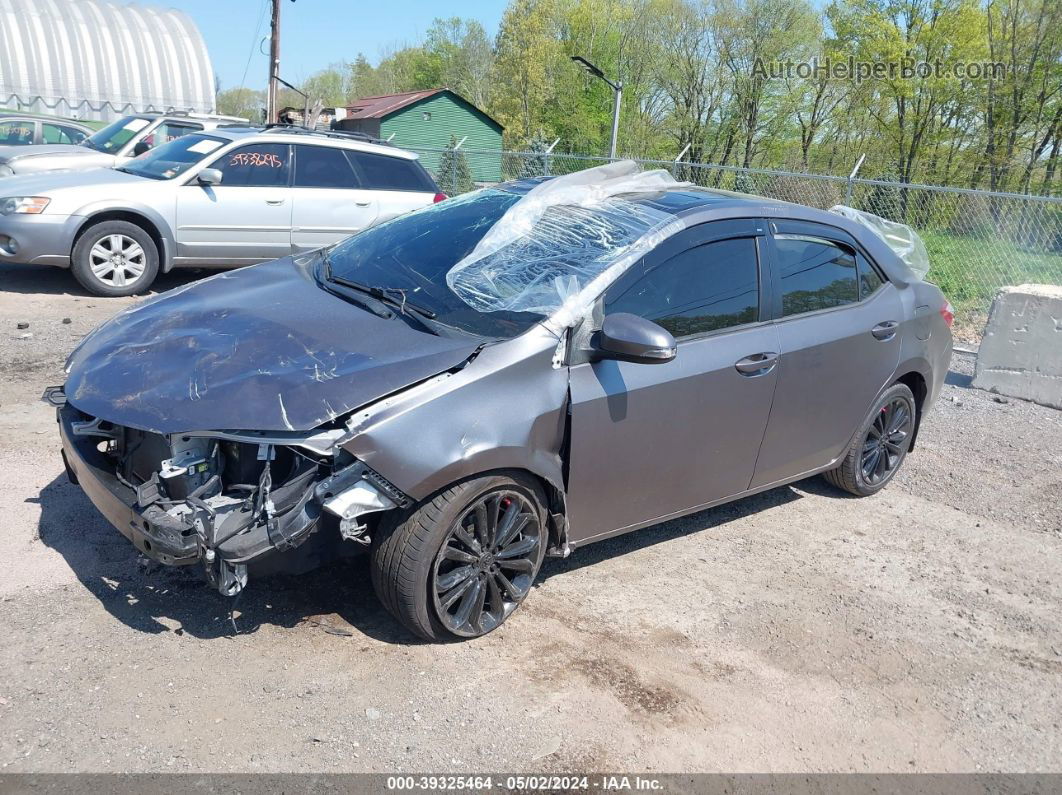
426,120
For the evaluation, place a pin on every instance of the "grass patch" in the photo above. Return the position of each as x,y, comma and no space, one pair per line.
970,271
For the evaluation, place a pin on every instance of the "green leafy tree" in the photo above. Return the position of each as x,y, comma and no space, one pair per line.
454,175
330,86
539,163
464,57
527,52
242,102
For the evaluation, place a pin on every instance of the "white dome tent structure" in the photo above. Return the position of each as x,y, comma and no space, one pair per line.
94,59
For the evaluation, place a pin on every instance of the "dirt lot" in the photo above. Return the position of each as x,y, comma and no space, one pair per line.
918,630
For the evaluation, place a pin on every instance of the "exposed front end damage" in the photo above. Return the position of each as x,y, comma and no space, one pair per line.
226,500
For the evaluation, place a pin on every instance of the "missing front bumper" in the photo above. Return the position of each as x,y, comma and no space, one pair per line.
224,543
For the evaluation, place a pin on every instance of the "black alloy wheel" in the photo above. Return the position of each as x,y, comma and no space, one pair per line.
886,441
880,445
487,563
459,563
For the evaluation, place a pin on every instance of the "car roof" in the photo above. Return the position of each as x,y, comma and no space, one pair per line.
301,135
21,114
686,200
696,205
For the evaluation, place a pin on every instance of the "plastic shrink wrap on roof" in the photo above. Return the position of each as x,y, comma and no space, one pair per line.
899,237
564,238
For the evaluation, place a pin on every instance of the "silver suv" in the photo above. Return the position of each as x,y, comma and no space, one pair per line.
114,145
233,196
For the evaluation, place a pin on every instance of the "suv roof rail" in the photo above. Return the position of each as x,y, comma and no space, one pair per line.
349,135
192,115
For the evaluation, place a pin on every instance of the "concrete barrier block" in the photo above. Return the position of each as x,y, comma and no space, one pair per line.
1021,353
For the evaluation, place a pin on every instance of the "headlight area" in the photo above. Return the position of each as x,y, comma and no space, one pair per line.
226,500
24,205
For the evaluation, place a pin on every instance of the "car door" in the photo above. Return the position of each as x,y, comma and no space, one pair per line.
328,203
839,346
246,218
399,183
649,441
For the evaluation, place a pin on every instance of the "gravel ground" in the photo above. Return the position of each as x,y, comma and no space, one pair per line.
797,630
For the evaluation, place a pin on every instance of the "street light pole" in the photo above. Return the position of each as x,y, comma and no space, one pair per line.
617,87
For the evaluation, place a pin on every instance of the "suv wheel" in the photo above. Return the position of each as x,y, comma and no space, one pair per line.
115,258
880,446
462,562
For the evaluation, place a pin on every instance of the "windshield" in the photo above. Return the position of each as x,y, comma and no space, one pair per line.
414,252
173,158
519,282
116,134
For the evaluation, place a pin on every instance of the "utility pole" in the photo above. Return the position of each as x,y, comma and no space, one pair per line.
272,111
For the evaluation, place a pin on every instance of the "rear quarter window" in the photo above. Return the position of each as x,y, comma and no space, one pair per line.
382,172
869,280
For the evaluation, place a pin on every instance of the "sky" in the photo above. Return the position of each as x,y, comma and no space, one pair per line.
316,33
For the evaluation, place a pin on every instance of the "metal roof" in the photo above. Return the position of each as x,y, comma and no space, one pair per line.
96,59
378,107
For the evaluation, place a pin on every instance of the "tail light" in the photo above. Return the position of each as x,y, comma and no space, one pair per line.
948,313
440,197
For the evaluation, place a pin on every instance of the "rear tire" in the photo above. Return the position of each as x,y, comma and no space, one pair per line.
445,571
115,258
880,447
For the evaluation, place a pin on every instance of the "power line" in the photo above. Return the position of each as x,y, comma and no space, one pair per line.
254,41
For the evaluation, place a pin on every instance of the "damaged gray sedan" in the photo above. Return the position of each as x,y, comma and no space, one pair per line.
511,374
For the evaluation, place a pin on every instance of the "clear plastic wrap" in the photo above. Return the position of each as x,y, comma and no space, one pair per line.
899,237
560,239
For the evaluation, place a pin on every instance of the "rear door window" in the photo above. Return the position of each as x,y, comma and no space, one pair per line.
255,166
61,134
708,288
381,172
16,132
322,167
814,274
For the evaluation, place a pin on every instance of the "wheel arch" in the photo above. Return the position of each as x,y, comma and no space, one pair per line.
914,380
550,479
145,218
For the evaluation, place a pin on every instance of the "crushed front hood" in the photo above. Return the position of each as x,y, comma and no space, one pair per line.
261,348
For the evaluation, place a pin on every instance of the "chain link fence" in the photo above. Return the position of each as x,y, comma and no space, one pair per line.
978,241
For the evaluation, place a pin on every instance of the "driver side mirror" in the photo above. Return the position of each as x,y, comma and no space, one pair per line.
209,176
631,338
140,147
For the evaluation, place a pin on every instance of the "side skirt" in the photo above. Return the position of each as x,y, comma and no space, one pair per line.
704,506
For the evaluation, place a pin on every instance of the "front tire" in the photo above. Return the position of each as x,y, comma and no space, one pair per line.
460,563
881,445
115,258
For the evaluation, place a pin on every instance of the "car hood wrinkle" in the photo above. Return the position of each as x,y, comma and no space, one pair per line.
262,348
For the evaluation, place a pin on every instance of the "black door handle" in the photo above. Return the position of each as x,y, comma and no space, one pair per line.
885,331
757,363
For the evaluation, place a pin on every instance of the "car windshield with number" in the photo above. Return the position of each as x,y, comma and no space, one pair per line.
174,158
